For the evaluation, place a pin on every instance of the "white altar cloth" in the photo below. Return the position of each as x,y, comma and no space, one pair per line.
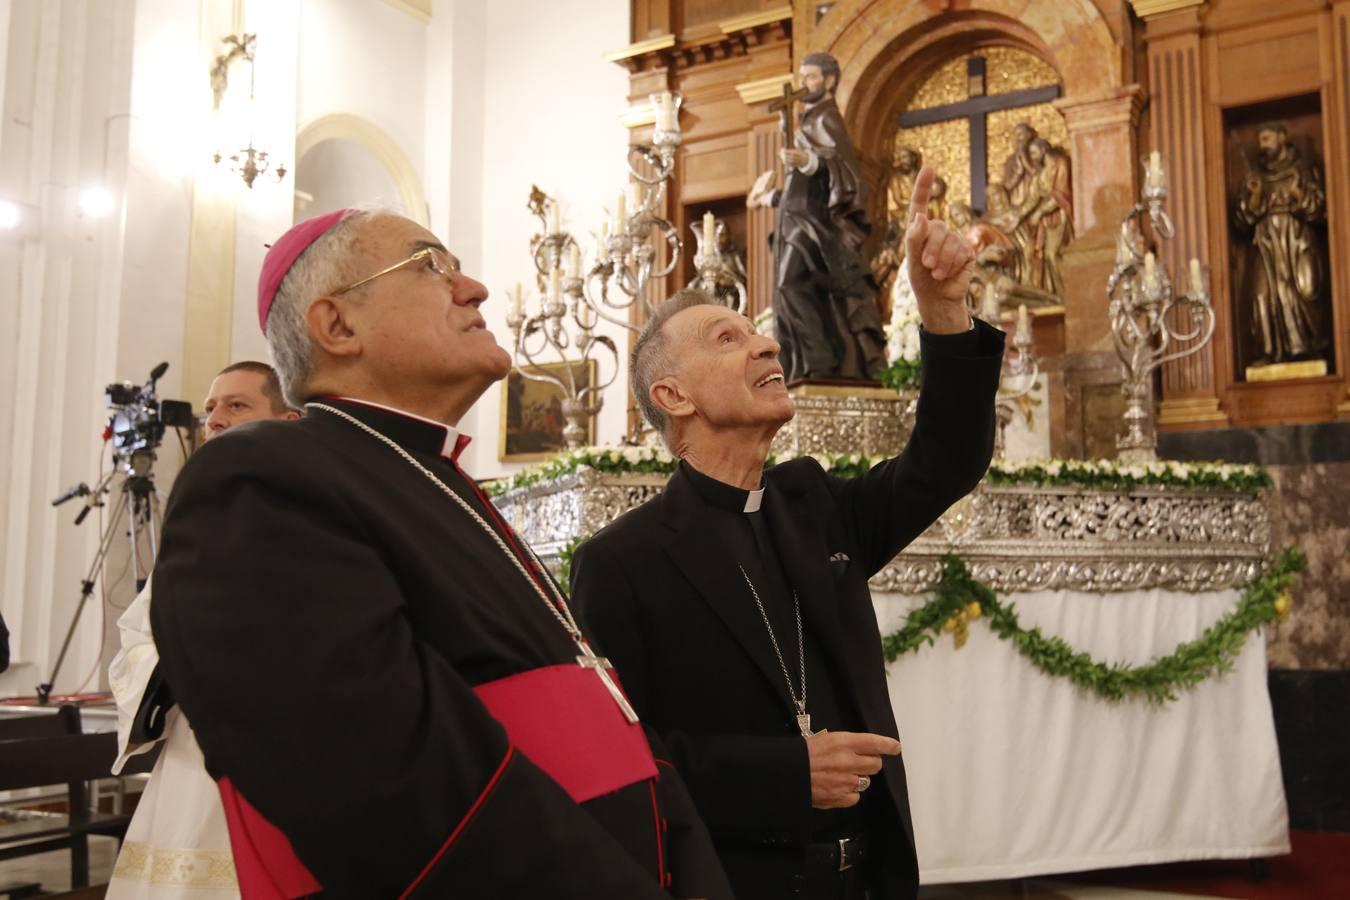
1015,773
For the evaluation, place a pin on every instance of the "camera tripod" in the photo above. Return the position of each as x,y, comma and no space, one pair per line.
137,499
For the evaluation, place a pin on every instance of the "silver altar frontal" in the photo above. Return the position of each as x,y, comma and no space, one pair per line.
834,419
1018,773
1014,538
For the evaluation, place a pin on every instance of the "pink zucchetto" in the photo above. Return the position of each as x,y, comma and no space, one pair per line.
283,255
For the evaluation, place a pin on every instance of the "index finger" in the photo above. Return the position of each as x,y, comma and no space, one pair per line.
918,201
873,745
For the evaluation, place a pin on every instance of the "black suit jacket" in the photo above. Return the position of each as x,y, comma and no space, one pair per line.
668,606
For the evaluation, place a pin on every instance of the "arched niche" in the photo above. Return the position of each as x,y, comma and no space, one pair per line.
884,47
343,159
877,40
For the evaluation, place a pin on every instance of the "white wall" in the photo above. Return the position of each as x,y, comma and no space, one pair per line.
366,58
487,98
551,106
82,301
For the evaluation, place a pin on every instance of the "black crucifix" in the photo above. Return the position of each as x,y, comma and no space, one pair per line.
975,109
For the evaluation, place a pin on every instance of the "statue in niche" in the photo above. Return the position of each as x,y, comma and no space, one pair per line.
900,182
898,187
996,255
1045,216
937,201
825,310
1018,171
1280,199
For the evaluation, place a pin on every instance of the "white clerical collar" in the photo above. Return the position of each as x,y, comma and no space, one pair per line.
753,499
454,442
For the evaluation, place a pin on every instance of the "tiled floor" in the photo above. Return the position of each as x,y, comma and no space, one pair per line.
52,870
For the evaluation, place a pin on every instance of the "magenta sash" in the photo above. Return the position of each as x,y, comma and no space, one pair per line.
565,720
562,717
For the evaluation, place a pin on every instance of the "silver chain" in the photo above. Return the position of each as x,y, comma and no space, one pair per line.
559,609
801,651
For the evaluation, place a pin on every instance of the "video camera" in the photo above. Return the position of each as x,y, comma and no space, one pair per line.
139,418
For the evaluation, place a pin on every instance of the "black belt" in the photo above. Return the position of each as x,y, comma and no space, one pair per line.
837,856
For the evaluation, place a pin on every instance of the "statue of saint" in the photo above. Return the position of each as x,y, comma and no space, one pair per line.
1018,171
900,183
937,201
1046,215
825,310
995,252
1278,202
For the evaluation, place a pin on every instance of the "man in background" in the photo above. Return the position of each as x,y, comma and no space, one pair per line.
179,819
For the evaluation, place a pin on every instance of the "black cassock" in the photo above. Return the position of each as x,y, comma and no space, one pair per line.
323,613
663,591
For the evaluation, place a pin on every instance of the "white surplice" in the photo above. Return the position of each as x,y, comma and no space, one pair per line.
177,844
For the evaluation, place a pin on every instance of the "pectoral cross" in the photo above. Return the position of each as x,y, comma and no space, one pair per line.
601,665
804,720
784,104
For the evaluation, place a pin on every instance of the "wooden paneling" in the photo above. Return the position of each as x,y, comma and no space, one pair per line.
715,169
697,15
1268,61
1177,131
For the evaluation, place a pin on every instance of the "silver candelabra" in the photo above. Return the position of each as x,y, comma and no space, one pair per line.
561,330
1141,300
717,273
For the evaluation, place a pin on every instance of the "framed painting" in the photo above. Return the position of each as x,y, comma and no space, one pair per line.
532,417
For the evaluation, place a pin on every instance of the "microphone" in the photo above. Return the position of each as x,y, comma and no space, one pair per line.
78,490
158,371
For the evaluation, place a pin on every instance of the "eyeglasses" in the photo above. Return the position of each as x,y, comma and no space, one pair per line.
438,260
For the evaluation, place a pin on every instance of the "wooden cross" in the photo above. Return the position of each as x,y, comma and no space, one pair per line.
784,105
588,660
975,108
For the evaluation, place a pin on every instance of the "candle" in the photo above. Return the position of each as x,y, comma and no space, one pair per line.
1197,278
574,262
585,315
602,249
1150,269
634,196
990,312
709,233
1023,322
1154,163
554,284
517,306
665,110
554,218
621,214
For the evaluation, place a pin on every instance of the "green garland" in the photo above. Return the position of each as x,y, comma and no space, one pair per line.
1107,474
1097,474
960,598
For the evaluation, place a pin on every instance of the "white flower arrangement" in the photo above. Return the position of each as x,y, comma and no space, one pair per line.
902,334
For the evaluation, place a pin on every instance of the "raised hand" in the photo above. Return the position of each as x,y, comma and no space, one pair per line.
941,263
